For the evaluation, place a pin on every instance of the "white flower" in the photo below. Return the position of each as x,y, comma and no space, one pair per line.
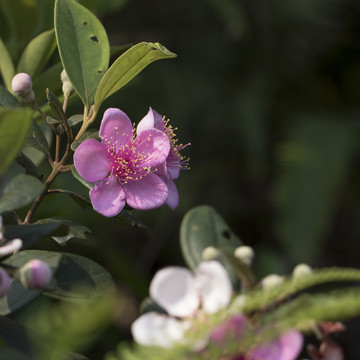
182,294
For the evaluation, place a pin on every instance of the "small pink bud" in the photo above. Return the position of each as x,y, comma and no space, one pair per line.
35,274
5,282
22,86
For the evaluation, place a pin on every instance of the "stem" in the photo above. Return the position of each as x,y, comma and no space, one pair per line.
38,109
57,148
66,98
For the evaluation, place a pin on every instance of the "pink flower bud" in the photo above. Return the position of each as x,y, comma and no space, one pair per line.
5,282
35,274
22,86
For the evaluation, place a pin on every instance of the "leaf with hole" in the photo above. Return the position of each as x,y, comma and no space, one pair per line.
83,46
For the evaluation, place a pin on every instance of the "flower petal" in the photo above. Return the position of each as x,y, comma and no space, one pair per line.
231,329
108,197
154,145
115,128
10,247
151,120
154,329
173,197
90,160
174,289
147,193
291,344
214,286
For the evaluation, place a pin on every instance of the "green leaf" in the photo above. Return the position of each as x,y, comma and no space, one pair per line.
37,53
28,165
14,127
77,276
68,229
49,78
7,69
29,233
201,227
19,191
77,176
83,46
127,66
37,139
75,119
88,134
7,99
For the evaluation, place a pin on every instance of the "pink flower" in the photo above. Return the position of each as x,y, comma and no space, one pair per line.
234,329
170,169
123,165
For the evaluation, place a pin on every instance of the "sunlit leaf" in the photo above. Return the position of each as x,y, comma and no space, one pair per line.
14,128
19,191
128,65
37,53
7,69
83,46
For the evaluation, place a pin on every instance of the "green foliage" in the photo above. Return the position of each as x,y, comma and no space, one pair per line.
202,227
37,53
127,66
83,47
7,69
7,99
14,127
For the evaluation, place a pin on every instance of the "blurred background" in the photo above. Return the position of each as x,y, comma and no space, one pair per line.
268,94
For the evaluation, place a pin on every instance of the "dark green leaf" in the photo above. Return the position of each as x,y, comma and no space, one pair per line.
83,46
127,66
7,99
37,139
68,229
37,53
201,227
28,165
49,78
19,191
80,179
14,127
75,119
29,233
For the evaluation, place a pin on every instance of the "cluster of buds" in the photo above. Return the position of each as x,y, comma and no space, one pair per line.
35,274
67,87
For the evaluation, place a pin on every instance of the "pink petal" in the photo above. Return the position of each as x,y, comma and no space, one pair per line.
173,197
232,328
173,165
148,193
108,197
154,145
151,120
291,344
90,160
115,127
174,289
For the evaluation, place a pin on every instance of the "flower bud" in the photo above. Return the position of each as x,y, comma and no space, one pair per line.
67,87
210,253
301,270
35,274
22,86
5,282
271,281
245,253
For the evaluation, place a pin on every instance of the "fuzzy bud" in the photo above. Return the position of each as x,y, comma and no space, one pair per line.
271,281
67,87
35,274
245,253
22,86
5,282
210,253
301,271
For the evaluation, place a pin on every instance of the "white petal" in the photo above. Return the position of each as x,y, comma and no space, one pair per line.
174,289
10,247
214,285
154,329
